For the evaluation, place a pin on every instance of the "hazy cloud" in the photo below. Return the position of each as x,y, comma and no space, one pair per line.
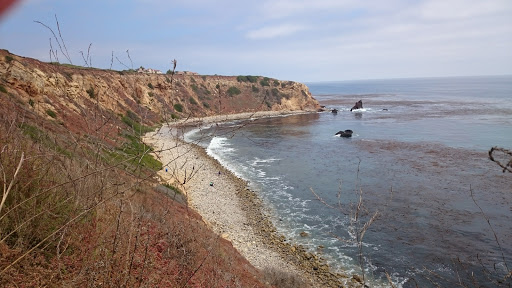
303,40
274,31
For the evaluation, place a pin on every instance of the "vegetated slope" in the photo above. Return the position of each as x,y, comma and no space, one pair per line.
73,92
81,203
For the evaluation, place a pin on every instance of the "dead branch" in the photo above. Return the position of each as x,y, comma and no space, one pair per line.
490,226
8,189
62,40
508,165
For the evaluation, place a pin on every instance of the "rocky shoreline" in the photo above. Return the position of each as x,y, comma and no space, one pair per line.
232,210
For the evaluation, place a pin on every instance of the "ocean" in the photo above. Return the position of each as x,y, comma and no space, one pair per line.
417,160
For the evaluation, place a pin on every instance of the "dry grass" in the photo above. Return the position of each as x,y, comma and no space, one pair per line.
70,218
282,279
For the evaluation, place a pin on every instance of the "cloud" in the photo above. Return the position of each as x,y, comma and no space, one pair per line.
275,31
275,9
289,39
460,9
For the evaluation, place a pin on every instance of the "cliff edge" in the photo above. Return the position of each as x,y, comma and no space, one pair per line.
71,92
82,203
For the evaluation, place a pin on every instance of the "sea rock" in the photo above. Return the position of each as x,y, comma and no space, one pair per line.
346,134
359,105
334,111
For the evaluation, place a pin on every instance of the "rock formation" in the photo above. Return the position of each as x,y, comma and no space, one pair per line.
359,105
346,134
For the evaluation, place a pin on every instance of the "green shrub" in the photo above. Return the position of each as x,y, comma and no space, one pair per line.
204,77
178,107
51,113
39,136
150,86
192,101
151,94
2,89
137,150
247,78
217,86
31,102
233,91
174,116
8,58
132,120
33,132
276,83
206,105
90,91
194,87
275,92
264,82
255,89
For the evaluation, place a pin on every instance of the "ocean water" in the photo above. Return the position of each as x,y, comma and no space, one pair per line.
418,158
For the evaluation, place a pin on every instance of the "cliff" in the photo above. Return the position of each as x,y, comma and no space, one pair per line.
73,92
81,203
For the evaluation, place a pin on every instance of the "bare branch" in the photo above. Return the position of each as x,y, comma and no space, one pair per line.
128,52
490,226
62,39
6,191
51,30
120,62
112,60
508,165
85,60
89,55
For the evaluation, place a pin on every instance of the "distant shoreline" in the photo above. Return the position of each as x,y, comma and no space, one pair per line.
229,207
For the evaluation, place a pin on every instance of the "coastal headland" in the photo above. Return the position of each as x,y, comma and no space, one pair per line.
79,129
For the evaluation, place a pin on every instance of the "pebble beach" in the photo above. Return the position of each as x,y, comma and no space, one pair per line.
230,209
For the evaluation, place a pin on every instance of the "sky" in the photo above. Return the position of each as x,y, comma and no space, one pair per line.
298,40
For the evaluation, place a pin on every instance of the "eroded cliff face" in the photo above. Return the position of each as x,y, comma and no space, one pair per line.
70,94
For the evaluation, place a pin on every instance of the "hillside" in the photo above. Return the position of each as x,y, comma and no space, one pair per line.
72,92
81,200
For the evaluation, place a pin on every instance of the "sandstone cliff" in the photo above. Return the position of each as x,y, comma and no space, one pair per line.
85,206
69,93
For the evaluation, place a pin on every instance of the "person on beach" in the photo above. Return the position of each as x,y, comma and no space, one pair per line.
211,184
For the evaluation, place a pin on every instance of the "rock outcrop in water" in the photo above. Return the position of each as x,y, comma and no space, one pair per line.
359,105
346,134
